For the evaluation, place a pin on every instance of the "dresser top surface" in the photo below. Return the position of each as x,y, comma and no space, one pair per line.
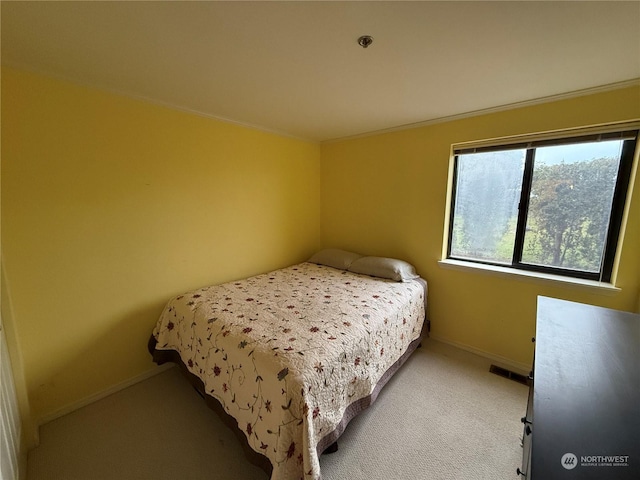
586,399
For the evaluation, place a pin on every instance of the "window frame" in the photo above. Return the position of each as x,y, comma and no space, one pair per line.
629,133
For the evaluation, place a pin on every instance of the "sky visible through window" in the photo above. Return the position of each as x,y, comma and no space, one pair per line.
578,152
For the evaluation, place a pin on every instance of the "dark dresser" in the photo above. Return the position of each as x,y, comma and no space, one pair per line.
583,415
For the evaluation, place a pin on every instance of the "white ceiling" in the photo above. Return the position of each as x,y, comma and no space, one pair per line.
296,67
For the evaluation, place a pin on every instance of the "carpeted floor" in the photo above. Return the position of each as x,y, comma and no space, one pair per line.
443,416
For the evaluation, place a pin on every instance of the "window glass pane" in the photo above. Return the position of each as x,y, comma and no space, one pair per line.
487,194
570,205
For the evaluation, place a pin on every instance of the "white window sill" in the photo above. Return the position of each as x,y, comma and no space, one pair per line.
534,277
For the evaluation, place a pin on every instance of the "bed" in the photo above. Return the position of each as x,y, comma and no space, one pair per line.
289,357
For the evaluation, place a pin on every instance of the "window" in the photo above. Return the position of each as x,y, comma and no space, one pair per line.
548,205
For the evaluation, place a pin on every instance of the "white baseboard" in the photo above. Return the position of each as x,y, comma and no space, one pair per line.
103,394
498,360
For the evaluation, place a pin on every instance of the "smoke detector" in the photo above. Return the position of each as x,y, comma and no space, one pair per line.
365,40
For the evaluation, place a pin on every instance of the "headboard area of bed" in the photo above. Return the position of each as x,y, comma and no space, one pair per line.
382,267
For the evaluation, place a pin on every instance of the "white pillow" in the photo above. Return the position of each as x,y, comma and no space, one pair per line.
336,258
390,268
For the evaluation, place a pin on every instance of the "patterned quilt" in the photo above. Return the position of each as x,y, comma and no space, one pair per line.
287,352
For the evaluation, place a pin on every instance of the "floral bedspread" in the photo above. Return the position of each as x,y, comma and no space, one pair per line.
286,352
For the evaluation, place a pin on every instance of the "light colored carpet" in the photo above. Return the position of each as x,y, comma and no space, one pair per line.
443,416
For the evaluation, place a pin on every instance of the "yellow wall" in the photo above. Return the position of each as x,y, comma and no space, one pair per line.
386,195
112,205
